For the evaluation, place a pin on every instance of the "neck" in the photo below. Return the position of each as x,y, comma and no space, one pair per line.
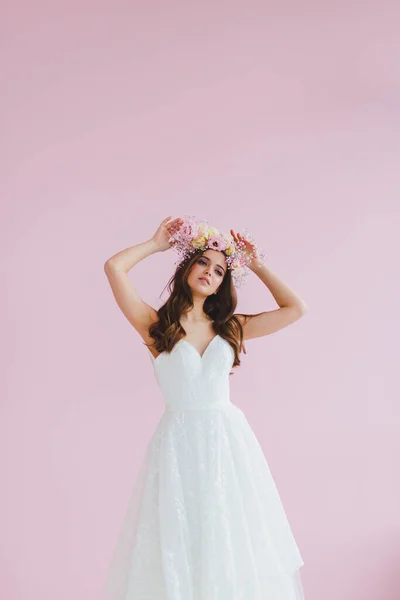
196,313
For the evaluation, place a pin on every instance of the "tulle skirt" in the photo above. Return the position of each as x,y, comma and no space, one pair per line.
204,520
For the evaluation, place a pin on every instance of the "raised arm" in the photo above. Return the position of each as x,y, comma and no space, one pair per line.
292,307
140,314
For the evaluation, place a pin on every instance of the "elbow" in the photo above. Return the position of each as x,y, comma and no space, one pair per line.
300,309
303,308
108,265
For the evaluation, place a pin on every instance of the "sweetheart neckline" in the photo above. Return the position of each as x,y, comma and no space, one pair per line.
201,356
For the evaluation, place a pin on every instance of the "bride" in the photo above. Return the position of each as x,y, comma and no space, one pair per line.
205,520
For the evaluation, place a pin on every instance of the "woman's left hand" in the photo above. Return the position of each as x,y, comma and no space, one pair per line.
248,247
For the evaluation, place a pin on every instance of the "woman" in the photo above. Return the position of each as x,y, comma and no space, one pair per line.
205,520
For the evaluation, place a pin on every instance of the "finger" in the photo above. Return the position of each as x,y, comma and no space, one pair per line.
172,225
174,222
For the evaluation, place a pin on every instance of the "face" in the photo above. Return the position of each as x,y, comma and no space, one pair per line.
210,266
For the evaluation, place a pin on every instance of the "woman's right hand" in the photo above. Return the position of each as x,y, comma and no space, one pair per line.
164,232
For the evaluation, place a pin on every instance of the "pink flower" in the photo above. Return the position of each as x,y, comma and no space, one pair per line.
189,229
216,242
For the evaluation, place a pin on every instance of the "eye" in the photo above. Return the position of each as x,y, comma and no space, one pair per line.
203,262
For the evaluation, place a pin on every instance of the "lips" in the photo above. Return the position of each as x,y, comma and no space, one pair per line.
204,279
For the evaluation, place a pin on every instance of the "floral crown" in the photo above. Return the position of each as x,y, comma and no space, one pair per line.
194,235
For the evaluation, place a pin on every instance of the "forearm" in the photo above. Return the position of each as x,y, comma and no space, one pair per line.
128,258
281,292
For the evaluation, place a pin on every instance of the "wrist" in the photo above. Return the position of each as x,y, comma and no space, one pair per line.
257,265
153,246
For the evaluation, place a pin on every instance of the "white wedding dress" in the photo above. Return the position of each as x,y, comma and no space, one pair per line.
205,520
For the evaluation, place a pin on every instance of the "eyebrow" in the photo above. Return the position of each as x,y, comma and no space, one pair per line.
217,264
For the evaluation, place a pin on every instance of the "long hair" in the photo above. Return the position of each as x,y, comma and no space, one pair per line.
167,331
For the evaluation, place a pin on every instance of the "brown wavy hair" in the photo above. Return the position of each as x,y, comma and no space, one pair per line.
167,331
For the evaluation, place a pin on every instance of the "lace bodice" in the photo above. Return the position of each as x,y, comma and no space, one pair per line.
191,381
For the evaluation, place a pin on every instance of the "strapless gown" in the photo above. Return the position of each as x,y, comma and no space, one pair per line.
204,520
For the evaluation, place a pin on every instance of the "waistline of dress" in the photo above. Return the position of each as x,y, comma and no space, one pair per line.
199,406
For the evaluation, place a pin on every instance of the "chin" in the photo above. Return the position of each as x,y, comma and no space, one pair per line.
203,290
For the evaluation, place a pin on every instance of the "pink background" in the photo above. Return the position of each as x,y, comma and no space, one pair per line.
282,119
